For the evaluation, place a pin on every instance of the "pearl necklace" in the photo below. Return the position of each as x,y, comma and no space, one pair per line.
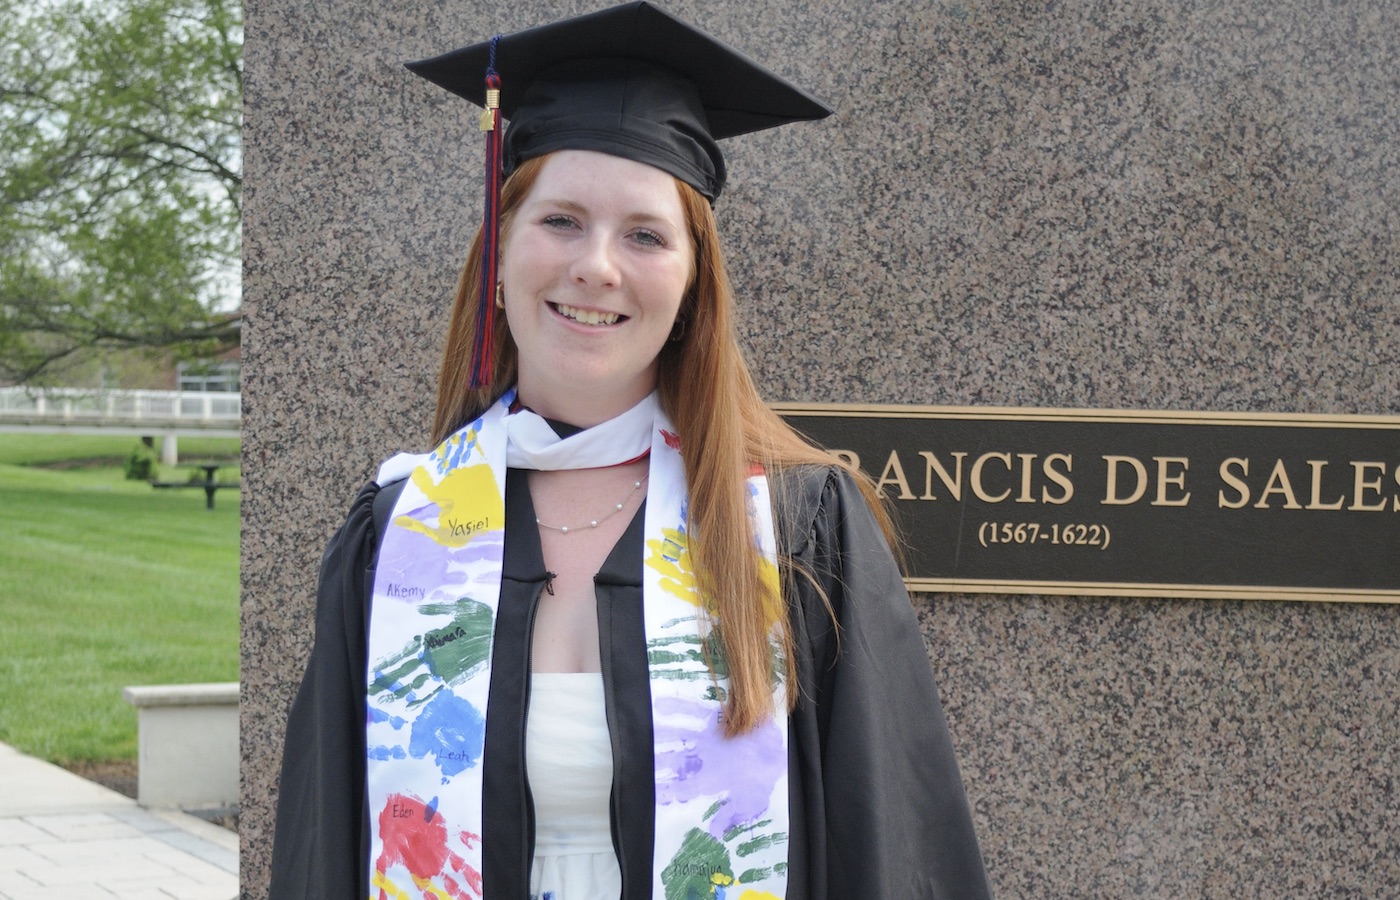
593,523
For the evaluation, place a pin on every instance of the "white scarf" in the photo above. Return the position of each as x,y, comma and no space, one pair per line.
721,803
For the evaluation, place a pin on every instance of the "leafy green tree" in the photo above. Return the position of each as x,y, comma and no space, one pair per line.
120,178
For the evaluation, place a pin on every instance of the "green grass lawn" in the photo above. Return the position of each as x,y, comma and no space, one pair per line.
105,583
39,449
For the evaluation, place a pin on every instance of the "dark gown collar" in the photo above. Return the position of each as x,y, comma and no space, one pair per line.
561,428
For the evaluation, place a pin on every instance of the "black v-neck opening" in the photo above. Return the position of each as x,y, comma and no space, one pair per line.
524,556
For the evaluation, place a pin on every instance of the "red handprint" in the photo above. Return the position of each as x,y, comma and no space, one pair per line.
415,836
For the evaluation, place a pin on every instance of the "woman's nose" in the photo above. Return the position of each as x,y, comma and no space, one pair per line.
596,264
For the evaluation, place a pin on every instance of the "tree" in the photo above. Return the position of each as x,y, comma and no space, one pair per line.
120,179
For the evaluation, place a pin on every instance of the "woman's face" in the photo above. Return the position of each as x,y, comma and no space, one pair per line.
594,267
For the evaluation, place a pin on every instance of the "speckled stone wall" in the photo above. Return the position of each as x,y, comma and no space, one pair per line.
1189,205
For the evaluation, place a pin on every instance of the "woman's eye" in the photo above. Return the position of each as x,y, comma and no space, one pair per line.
558,222
649,238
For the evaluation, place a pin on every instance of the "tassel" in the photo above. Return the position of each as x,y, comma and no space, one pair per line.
483,350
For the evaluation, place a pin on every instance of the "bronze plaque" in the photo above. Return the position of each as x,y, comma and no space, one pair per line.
1128,503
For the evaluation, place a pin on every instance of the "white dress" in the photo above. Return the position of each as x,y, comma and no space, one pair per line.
568,757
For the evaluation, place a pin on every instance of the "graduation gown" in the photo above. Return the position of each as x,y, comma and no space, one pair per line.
877,808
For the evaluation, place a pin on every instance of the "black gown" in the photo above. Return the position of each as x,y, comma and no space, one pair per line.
877,808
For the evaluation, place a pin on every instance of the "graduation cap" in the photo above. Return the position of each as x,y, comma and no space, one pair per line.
631,81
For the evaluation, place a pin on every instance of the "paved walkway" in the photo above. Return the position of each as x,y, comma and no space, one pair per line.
62,836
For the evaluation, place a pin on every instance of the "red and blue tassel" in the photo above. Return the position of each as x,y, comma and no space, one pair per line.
483,350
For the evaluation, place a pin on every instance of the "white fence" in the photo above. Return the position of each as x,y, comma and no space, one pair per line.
126,410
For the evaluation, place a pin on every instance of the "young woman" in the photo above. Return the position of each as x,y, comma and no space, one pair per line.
622,634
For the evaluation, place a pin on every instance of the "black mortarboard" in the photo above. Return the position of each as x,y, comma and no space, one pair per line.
631,81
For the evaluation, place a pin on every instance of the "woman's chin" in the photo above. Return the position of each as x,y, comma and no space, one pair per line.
582,391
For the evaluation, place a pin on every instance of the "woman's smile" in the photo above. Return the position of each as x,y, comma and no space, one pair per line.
587,316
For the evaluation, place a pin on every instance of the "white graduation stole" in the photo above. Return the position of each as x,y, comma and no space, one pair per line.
721,803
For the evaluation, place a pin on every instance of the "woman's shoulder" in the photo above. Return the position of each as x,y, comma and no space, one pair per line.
355,536
810,498
370,509
358,534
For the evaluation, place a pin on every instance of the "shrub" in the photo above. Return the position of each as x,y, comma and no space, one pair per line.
141,463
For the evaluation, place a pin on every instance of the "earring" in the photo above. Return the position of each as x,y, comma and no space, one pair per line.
500,296
678,329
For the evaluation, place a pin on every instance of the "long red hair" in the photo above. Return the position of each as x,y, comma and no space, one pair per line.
707,391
